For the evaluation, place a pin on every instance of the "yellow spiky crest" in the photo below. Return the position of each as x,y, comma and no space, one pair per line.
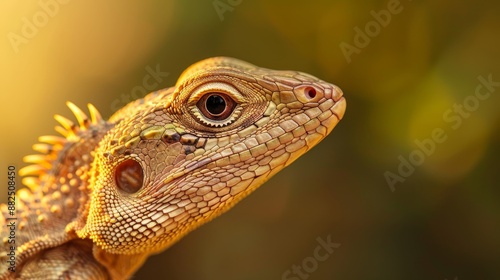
51,145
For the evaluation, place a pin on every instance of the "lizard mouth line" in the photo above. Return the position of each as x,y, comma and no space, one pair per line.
337,110
187,169
339,113
339,102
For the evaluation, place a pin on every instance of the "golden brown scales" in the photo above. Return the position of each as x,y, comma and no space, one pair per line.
108,194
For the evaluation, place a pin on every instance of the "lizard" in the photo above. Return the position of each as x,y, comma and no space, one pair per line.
105,195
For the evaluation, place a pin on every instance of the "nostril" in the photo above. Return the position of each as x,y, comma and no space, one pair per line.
310,92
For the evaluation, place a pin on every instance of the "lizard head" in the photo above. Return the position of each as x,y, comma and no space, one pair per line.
182,156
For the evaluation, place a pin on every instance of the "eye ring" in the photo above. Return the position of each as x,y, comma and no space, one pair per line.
216,106
129,176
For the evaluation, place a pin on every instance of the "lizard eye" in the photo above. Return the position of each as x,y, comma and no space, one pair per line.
216,106
129,176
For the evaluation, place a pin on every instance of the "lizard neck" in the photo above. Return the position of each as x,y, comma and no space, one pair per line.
55,202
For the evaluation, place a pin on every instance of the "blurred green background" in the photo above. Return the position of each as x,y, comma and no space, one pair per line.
403,77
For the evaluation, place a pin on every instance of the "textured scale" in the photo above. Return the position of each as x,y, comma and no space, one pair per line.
108,194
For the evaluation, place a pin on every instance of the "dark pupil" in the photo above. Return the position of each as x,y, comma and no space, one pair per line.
215,104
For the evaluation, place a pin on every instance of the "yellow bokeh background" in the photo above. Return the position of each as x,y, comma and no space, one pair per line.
440,222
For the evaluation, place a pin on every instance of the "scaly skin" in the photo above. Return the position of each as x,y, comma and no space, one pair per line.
110,193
